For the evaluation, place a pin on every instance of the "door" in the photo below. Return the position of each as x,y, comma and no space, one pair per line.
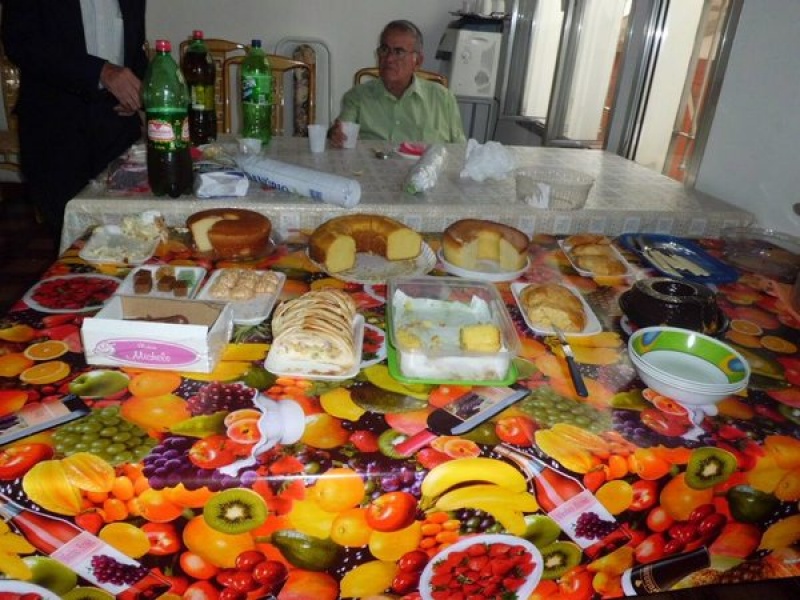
637,77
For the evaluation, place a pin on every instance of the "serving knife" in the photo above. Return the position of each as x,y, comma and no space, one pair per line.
657,258
672,259
574,372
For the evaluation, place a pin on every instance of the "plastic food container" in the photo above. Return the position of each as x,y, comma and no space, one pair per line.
763,251
426,317
553,188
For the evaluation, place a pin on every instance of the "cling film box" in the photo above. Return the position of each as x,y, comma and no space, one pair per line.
158,333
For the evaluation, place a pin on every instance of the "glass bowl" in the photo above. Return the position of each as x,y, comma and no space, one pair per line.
763,251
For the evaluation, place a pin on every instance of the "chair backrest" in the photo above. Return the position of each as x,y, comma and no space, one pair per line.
9,139
220,50
372,73
303,82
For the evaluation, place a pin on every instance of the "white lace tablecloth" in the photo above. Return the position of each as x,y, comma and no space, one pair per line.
626,197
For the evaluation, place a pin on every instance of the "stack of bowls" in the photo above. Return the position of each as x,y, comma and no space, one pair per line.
689,367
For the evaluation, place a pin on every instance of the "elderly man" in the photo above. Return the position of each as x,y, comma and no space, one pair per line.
400,106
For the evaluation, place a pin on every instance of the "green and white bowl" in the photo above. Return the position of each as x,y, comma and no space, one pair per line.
690,367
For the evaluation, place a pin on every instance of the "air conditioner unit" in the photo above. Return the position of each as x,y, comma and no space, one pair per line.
472,47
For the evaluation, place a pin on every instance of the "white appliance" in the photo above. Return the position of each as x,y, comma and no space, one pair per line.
472,47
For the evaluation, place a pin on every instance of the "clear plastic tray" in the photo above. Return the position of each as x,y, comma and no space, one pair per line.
108,245
250,311
193,275
592,323
434,309
312,370
585,273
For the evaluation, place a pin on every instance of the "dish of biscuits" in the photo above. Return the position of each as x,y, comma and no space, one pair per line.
594,255
545,306
317,335
251,293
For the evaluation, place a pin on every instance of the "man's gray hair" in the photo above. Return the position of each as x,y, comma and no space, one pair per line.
406,26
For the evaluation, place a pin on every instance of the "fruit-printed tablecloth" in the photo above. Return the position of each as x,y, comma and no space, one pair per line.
142,461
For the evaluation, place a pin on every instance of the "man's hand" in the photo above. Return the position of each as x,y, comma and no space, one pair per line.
336,135
125,87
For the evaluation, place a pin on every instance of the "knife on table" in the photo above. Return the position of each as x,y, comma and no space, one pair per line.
663,257
657,259
574,372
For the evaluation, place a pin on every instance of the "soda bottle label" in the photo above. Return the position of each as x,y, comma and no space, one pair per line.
161,132
89,556
256,89
202,96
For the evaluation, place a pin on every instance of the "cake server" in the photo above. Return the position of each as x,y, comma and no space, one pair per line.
574,372
658,259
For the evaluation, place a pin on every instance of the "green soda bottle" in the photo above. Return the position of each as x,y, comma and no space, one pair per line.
256,87
166,103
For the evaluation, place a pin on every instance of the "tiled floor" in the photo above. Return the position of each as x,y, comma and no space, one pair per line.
26,248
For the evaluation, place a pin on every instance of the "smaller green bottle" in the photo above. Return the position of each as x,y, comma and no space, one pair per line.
256,88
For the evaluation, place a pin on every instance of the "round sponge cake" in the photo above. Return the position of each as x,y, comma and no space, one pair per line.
231,233
467,242
334,244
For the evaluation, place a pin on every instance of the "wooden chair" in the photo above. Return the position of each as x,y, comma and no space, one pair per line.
220,50
9,138
372,73
281,67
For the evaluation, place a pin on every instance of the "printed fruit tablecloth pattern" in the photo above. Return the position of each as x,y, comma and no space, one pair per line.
344,513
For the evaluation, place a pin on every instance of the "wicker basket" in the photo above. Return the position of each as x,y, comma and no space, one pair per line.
554,188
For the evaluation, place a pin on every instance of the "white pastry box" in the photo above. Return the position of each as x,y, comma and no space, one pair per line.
133,331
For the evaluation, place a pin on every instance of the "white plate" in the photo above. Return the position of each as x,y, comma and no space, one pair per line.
193,274
23,587
67,281
371,268
108,245
246,312
489,270
616,253
592,323
312,370
531,581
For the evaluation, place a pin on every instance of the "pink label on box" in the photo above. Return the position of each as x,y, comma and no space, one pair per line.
146,352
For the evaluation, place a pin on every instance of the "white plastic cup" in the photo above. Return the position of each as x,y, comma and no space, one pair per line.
249,145
317,135
350,130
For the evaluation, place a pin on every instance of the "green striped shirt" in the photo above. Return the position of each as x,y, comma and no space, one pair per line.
426,112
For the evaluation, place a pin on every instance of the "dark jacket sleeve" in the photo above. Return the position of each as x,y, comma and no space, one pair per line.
45,39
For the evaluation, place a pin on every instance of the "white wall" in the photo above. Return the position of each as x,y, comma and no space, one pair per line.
349,28
752,155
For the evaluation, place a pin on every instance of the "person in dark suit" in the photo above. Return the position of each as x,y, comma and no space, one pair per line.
77,111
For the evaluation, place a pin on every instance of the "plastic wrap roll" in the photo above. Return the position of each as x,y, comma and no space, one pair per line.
424,174
333,189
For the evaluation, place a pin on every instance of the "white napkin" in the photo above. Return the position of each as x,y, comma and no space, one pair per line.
491,160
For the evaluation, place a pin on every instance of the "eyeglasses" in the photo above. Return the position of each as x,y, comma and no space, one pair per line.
399,53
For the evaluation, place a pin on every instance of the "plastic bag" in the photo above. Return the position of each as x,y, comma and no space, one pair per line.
491,160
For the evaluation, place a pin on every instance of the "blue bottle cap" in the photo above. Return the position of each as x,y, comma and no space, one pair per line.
256,44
